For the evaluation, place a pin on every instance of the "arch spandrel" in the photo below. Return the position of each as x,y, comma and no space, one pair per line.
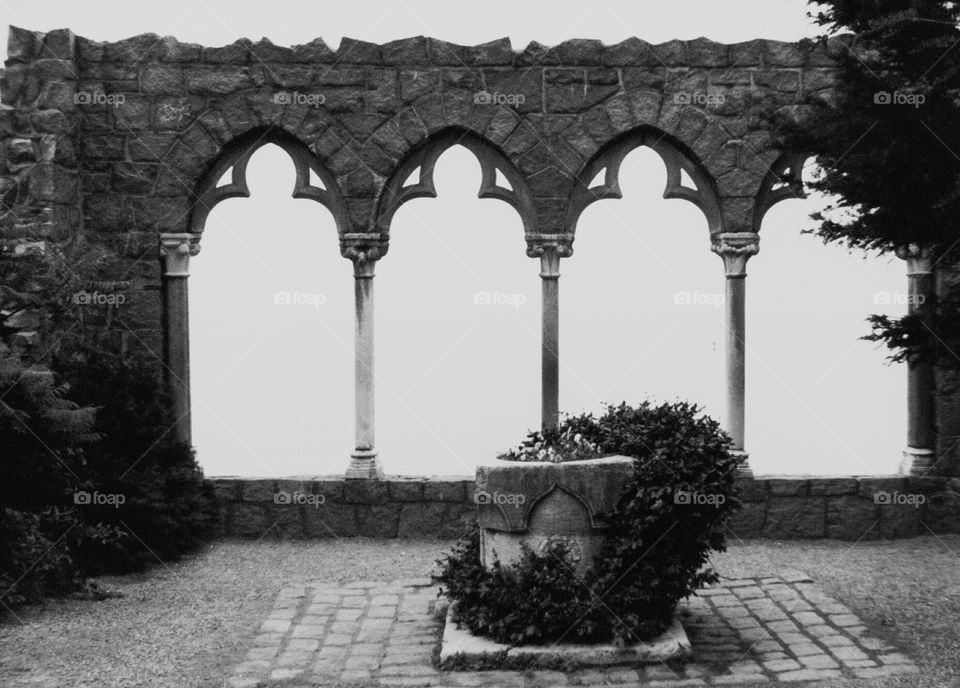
783,180
235,158
420,163
686,177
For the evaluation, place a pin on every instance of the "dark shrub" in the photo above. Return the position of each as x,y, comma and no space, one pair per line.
35,558
168,508
667,521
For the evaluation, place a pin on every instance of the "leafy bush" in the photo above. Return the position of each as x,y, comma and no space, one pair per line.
106,435
668,519
43,432
168,508
35,558
553,445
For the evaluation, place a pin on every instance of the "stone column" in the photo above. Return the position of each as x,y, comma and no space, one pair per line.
175,250
919,456
360,249
735,248
550,249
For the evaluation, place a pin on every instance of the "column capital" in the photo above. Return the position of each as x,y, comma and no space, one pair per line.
364,249
549,248
917,257
176,249
735,248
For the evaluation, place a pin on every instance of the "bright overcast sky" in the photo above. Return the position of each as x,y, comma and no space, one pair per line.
457,381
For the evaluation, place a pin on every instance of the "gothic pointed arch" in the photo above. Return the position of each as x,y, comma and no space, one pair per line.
419,165
686,176
235,158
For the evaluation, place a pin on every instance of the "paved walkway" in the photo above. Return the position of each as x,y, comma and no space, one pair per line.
386,634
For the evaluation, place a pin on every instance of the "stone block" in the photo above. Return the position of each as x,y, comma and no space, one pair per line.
631,52
793,517
415,83
702,52
900,520
747,522
941,513
378,521
366,492
406,51
871,487
248,520
259,490
406,490
331,519
580,51
441,490
852,517
498,52
833,486
419,520
352,51
751,489
788,487
22,44
162,80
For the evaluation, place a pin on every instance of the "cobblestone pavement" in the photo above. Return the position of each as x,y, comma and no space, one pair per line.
386,634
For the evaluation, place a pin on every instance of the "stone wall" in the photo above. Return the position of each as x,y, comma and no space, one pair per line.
104,146
842,508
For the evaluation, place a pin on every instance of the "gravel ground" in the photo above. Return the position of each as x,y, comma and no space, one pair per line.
188,623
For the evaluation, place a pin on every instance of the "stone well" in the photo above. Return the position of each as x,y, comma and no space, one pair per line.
535,503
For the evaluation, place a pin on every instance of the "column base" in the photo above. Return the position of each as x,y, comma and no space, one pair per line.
743,470
364,465
917,462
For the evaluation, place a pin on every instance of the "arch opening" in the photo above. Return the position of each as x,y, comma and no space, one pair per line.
457,347
810,377
271,308
642,297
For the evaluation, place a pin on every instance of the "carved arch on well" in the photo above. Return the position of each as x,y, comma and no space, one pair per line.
596,520
235,157
784,180
424,156
678,160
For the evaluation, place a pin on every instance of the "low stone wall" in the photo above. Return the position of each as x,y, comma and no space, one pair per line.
843,508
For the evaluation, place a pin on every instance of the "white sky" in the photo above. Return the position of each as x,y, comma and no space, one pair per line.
458,382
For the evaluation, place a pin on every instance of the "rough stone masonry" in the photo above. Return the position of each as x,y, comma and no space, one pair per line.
107,150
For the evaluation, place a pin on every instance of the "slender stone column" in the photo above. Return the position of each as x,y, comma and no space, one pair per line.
364,462
735,248
176,249
919,456
550,249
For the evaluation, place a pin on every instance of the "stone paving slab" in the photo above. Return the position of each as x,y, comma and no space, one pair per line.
386,635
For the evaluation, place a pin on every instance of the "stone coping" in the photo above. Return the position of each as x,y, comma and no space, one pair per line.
462,650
